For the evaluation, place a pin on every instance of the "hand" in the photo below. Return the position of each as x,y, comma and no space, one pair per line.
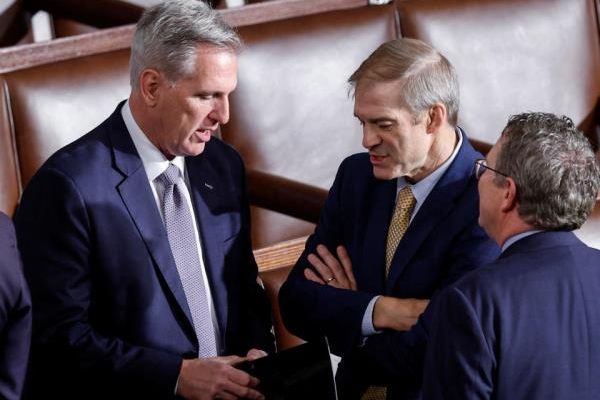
330,271
397,314
216,378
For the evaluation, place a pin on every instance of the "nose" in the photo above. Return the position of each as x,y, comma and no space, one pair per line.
370,138
220,112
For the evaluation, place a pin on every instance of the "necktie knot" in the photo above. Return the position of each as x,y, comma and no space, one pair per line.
170,176
406,199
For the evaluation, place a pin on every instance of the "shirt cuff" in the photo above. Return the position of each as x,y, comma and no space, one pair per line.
367,328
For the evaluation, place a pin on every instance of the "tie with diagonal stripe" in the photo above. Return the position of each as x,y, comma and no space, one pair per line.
405,203
182,239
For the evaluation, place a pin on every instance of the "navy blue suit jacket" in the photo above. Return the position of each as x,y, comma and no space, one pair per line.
525,327
15,315
442,243
110,316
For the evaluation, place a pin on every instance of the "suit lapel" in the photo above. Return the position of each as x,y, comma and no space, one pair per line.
381,207
438,204
208,197
137,196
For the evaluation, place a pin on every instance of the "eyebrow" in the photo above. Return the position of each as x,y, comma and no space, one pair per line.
376,120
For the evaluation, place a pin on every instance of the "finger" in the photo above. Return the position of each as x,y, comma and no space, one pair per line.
246,393
311,276
254,395
321,268
329,259
421,306
226,396
336,269
347,265
254,354
230,360
241,378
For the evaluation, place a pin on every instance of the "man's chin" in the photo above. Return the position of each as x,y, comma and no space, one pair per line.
194,149
383,174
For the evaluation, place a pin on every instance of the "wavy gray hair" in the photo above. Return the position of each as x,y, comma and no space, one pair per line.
554,167
427,76
168,35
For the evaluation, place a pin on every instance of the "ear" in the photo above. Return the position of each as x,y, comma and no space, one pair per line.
151,82
509,195
436,116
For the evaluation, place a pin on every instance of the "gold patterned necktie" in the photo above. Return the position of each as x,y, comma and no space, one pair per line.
405,203
375,393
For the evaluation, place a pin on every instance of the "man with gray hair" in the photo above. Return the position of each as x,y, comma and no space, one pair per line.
527,325
136,239
400,223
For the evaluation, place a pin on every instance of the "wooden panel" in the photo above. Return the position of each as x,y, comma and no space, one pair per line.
275,263
281,255
25,56
29,55
10,187
252,14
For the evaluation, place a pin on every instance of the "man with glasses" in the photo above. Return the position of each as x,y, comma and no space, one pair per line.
400,223
526,326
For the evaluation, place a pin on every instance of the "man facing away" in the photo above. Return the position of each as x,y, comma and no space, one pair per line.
527,325
136,240
15,315
400,223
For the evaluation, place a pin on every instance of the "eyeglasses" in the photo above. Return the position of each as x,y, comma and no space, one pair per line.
481,166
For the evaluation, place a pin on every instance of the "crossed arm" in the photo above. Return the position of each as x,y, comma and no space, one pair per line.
388,313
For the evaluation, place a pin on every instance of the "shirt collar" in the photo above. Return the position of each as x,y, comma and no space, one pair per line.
155,163
513,239
422,188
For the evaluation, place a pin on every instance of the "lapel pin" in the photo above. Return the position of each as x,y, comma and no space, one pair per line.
208,185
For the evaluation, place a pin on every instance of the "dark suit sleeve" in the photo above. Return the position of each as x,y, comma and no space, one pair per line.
311,310
57,249
459,362
15,315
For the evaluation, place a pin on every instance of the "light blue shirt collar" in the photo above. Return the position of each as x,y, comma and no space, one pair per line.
513,239
422,188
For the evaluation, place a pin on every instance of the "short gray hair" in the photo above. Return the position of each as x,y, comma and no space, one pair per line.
554,167
168,35
427,76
